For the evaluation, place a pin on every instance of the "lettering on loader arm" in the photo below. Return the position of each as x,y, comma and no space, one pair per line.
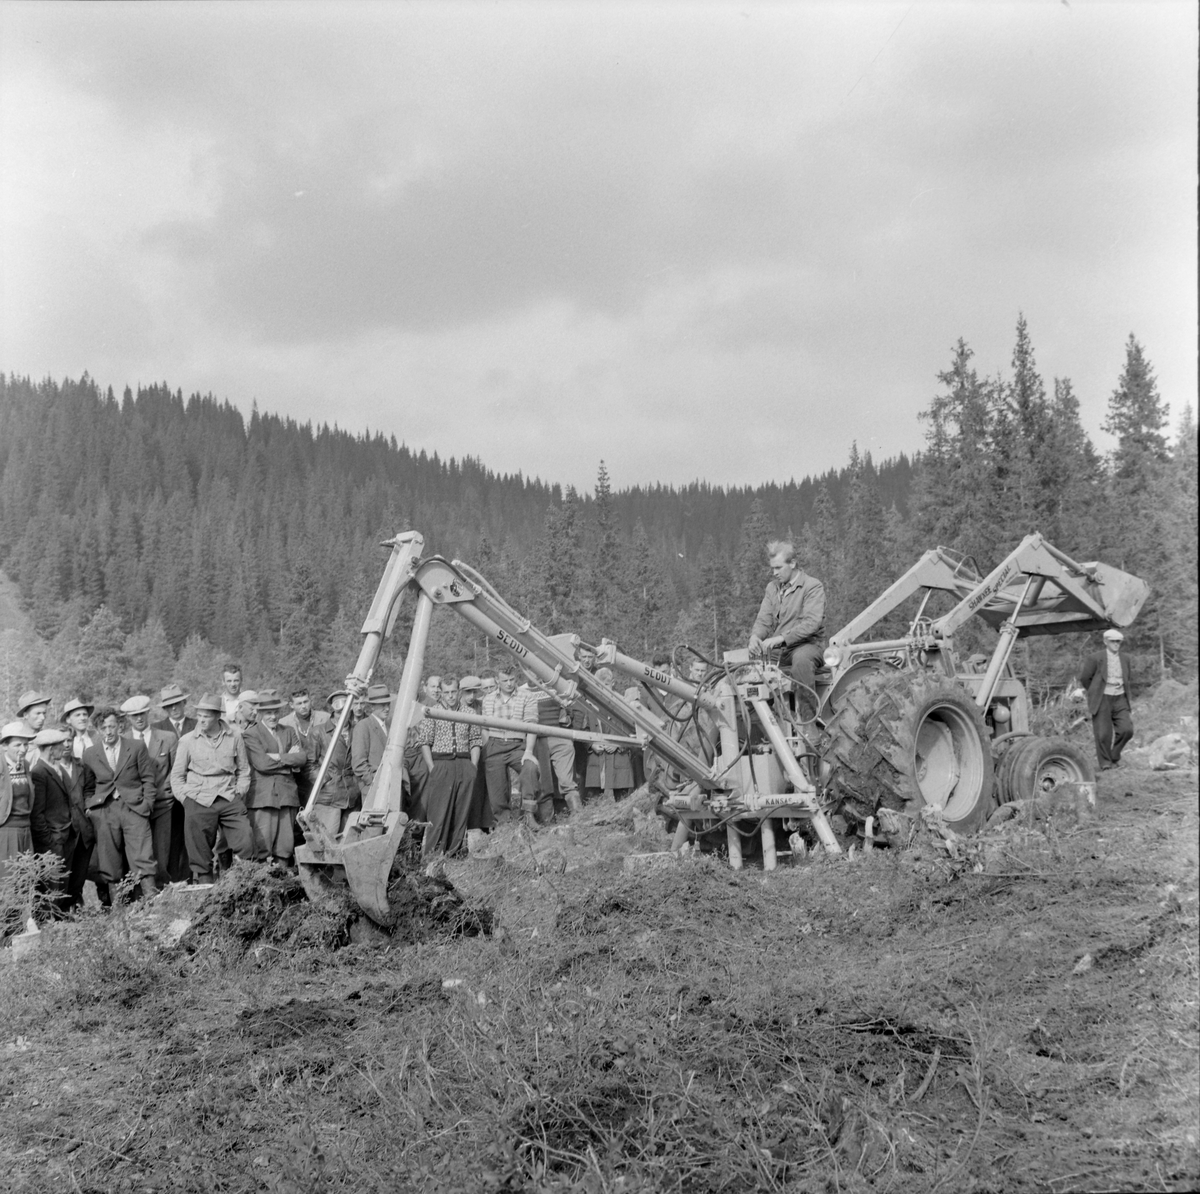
511,643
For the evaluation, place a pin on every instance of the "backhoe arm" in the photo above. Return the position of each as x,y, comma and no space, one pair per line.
445,584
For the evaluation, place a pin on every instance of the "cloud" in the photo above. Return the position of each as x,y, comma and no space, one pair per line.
722,243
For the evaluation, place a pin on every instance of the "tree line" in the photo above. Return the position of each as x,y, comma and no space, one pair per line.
152,537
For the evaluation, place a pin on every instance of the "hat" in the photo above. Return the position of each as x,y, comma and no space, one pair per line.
171,695
31,700
378,694
1114,636
333,696
16,729
50,738
469,682
74,704
269,699
136,704
209,704
247,697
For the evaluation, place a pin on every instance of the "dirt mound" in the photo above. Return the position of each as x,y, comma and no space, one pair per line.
255,905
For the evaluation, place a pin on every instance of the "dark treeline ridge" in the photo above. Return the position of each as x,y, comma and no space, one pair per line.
152,536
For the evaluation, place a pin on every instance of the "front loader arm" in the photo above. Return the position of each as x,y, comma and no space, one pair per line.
936,569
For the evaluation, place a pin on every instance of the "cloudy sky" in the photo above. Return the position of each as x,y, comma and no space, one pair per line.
697,240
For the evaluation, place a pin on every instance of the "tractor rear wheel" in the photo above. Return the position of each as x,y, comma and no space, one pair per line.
910,740
1035,767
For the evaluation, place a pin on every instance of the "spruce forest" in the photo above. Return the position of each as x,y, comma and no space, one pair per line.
153,537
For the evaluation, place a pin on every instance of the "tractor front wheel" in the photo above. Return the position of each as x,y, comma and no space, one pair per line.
1034,767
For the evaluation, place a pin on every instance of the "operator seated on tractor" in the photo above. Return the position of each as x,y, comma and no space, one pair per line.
791,619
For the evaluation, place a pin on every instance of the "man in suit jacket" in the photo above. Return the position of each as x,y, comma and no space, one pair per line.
58,820
119,792
173,702
370,736
1105,680
166,821
275,755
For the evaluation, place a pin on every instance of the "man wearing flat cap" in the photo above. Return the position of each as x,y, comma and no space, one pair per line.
275,756
58,819
370,736
1104,679
173,702
16,793
166,821
119,790
211,776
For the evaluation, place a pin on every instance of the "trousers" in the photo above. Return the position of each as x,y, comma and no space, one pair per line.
166,833
1112,727
123,835
200,826
448,805
503,769
273,834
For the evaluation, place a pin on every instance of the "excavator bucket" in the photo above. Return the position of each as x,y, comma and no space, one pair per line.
362,856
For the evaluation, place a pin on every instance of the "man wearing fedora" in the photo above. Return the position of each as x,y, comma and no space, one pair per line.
275,755
211,777
119,792
16,793
370,736
77,717
166,821
33,709
173,702
59,821
1104,679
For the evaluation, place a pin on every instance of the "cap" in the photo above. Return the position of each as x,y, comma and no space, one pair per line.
269,698
136,704
16,729
74,704
246,697
171,695
50,738
378,694
31,700
1114,636
341,692
209,704
469,682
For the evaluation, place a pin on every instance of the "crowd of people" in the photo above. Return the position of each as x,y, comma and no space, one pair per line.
172,788
117,792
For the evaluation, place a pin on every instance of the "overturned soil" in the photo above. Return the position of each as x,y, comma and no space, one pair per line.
1019,1020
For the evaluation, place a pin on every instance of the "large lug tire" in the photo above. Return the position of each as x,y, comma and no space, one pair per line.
910,740
1036,767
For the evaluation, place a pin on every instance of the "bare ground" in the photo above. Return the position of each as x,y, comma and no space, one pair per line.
889,1023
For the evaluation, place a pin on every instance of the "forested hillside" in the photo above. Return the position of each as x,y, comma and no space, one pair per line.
152,536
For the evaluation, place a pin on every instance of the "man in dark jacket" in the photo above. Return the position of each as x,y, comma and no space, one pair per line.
1104,679
119,790
166,822
173,702
275,756
59,822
